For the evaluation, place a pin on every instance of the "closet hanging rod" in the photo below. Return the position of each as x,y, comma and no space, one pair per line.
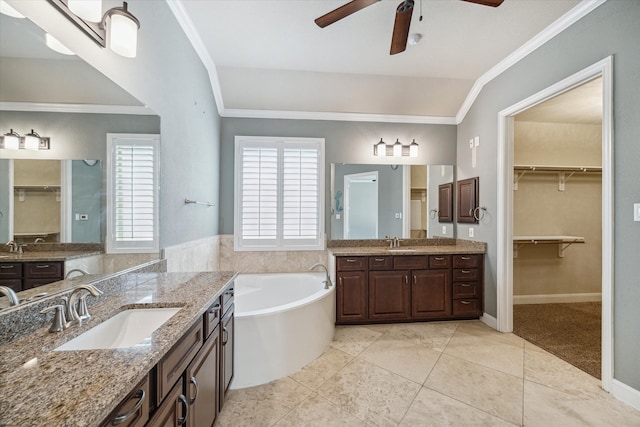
207,204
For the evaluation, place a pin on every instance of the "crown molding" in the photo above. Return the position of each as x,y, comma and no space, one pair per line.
76,108
349,117
177,7
559,25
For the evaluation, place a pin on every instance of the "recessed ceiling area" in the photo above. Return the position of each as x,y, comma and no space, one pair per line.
270,55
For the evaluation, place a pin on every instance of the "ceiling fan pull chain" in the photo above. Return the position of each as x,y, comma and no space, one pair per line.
420,11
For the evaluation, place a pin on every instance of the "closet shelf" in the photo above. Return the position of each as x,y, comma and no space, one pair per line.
563,242
562,171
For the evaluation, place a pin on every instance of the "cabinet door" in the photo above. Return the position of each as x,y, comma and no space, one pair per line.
351,297
226,354
174,410
389,295
468,197
202,383
431,294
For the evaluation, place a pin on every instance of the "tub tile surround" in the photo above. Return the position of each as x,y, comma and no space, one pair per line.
42,387
354,383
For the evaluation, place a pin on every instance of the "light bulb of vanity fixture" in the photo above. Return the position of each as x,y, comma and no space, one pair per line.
5,9
55,45
397,148
413,148
31,141
381,149
11,140
89,10
122,31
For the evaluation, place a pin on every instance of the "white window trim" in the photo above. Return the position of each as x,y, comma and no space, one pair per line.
278,244
147,246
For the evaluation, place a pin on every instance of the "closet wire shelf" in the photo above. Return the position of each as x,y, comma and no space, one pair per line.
563,242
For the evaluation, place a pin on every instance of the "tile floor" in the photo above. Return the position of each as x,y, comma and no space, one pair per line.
429,374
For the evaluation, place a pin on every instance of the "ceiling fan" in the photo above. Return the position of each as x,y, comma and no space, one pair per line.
402,22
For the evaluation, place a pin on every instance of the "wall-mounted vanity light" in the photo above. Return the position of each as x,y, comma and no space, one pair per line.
5,9
382,149
31,141
116,29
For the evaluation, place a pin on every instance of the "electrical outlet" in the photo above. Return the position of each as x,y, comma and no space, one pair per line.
636,211
337,216
471,232
444,229
84,217
398,215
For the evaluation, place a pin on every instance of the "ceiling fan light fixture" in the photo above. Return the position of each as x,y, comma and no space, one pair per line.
414,39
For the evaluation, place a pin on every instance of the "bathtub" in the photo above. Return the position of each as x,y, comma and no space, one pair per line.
282,323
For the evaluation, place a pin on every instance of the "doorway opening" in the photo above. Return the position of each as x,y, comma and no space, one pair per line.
507,248
361,205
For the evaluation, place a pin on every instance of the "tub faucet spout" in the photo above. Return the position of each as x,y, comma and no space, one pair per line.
327,281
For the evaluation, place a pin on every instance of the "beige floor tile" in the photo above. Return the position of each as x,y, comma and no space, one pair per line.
262,405
353,339
547,407
382,328
316,411
437,410
401,357
484,388
370,393
321,369
433,335
488,350
544,368
480,329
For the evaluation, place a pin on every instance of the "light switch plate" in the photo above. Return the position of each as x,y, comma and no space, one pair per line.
471,143
471,232
444,229
476,141
636,211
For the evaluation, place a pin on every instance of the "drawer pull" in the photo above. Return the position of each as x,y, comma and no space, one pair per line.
406,280
439,258
340,281
7,266
466,258
215,310
229,292
42,266
465,302
378,259
465,271
182,421
225,336
465,285
351,260
415,279
193,381
121,418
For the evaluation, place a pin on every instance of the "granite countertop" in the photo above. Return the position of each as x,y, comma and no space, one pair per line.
452,247
80,388
39,256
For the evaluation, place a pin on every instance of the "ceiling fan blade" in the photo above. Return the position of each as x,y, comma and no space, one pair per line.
492,3
343,11
401,27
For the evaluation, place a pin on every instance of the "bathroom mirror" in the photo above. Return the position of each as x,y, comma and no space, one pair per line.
64,98
369,201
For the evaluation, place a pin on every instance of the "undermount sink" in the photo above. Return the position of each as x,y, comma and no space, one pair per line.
125,329
401,250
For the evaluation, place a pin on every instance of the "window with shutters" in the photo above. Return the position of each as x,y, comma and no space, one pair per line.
279,193
132,198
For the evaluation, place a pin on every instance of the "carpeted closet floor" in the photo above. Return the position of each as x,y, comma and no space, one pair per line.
572,331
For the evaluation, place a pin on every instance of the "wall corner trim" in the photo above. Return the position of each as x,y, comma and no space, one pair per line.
489,320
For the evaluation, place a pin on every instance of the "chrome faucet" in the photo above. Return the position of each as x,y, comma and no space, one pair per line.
10,294
76,305
327,281
13,247
393,242
75,270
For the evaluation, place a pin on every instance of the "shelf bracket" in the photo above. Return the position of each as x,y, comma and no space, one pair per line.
517,178
562,247
563,178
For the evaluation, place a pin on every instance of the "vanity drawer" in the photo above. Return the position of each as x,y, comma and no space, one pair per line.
227,298
34,283
439,261
380,263
409,262
15,284
36,270
467,261
173,364
134,410
211,318
466,290
468,307
464,274
348,263
10,270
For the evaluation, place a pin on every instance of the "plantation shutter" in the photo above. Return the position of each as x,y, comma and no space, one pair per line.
279,193
133,199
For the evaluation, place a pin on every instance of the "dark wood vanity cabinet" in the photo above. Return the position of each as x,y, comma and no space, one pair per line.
134,409
468,194
21,276
408,287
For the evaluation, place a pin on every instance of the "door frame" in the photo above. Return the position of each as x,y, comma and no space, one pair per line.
604,69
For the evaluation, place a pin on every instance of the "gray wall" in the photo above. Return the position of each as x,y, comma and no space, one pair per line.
612,29
86,183
169,78
5,176
345,142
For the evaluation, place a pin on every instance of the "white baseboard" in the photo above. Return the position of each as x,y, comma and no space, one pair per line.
489,320
557,298
625,393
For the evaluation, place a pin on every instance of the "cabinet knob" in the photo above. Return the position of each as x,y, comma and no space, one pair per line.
121,418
